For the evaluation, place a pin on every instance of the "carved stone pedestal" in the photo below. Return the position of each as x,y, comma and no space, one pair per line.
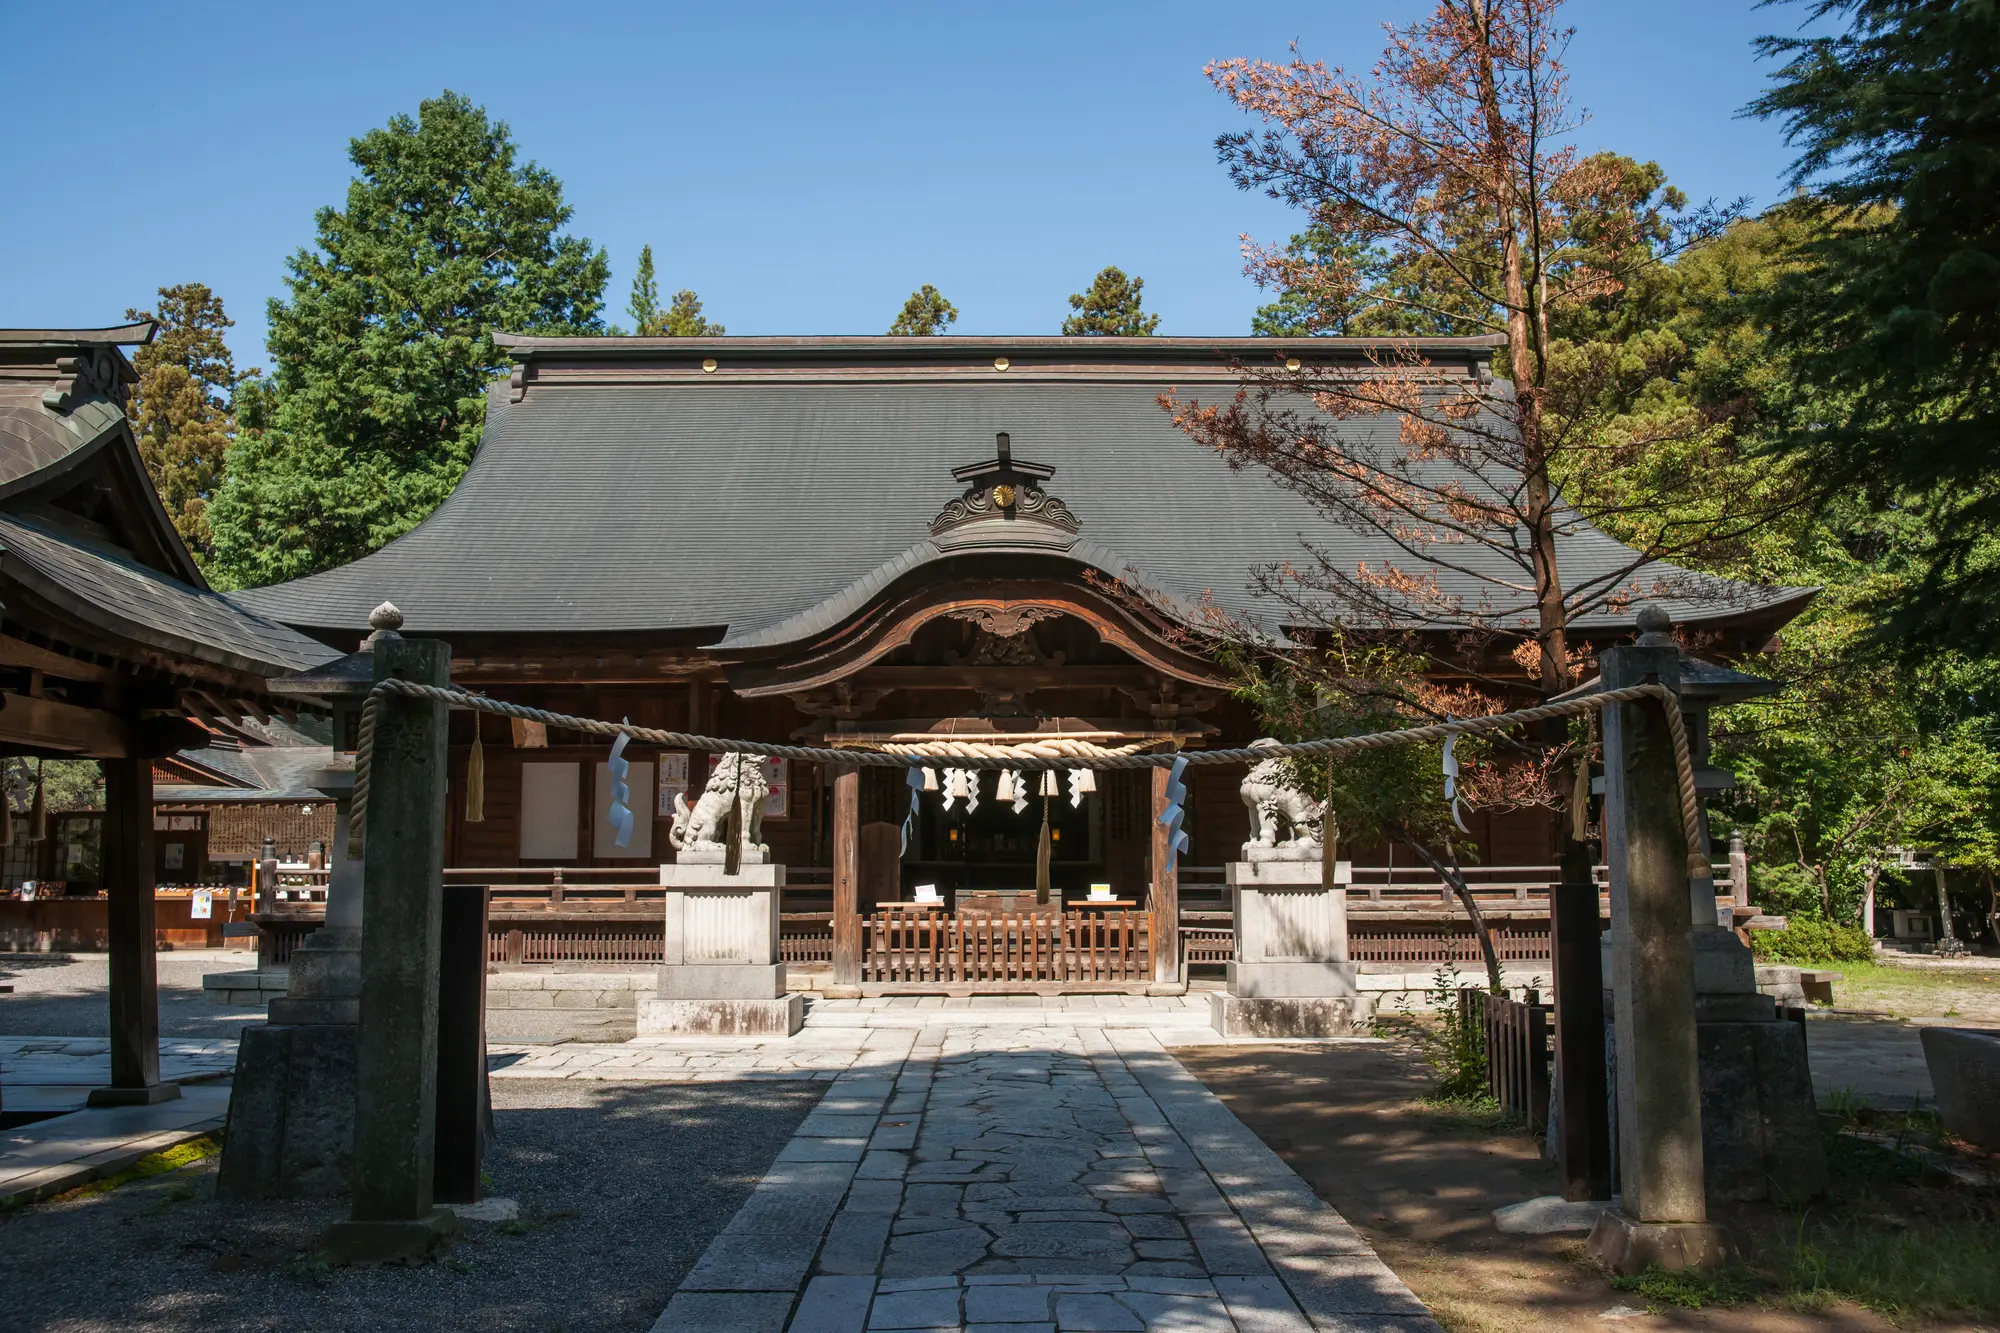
1290,976
1626,1246
291,1115
722,975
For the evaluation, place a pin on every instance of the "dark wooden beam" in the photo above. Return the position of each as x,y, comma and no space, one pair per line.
20,653
128,883
47,724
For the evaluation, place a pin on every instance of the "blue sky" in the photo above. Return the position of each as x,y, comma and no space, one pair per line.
802,166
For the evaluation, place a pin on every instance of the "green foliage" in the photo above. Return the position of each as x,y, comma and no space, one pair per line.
384,348
924,315
644,303
1892,322
1805,940
1690,1289
181,407
1347,686
67,784
1454,1044
681,319
1111,308
1687,393
1924,1273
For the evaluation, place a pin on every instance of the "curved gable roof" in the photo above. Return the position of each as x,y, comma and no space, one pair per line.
620,487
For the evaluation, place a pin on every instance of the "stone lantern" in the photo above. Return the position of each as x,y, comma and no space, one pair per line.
292,1111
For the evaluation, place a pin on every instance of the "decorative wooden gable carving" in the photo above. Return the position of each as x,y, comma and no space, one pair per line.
1004,505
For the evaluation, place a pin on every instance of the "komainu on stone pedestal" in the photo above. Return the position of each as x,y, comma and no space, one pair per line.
733,798
1285,823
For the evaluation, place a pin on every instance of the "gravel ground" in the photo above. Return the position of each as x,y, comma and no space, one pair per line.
620,1188
58,996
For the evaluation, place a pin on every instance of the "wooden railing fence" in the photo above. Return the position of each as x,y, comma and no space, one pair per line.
1005,950
1518,1054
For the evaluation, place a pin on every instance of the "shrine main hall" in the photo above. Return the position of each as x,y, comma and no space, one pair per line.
844,541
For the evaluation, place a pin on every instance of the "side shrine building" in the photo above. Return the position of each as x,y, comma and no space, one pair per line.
865,539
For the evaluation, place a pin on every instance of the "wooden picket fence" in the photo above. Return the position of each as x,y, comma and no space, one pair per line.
1432,942
1518,1052
580,945
1004,951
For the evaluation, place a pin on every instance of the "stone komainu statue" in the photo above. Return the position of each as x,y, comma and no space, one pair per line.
737,788
1285,823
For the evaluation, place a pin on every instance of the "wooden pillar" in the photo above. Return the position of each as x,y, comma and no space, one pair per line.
847,877
128,883
395,1102
1165,903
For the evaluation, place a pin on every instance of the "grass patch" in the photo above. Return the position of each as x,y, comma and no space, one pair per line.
1910,991
154,1164
1921,1271
1690,1290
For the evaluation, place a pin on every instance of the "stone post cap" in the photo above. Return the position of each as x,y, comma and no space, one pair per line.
1655,627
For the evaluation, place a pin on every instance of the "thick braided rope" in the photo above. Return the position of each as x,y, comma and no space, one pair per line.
1030,756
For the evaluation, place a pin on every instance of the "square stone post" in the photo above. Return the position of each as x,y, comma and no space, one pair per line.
1165,900
1664,1218
395,1100
846,883
128,883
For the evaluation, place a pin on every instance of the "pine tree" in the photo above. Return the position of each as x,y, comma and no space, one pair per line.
1895,322
644,307
924,315
383,347
181,408
684,320
1110,309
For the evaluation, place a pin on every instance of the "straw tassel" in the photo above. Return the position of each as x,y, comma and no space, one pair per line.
475,776
38,815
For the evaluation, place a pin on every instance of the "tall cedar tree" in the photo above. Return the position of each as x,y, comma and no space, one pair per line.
384,348
181,408
1110,309
1444,196
644,305
1896,321
924,315
681,319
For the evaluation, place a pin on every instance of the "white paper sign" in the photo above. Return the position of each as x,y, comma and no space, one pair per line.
673,782
173,856
203,906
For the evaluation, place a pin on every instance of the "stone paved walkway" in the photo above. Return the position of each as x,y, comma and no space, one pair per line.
1032,1179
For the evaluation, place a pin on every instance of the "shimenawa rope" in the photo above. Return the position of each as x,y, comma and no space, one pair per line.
1033,756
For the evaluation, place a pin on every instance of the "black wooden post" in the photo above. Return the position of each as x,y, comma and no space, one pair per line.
128,883
1583,1093
395,1100
462,1100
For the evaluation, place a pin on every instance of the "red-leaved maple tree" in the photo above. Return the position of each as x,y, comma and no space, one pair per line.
1450,198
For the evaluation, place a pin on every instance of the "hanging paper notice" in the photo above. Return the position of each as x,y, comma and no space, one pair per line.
673,782
203,905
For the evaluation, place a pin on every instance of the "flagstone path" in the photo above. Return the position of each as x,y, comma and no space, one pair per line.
986,1176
